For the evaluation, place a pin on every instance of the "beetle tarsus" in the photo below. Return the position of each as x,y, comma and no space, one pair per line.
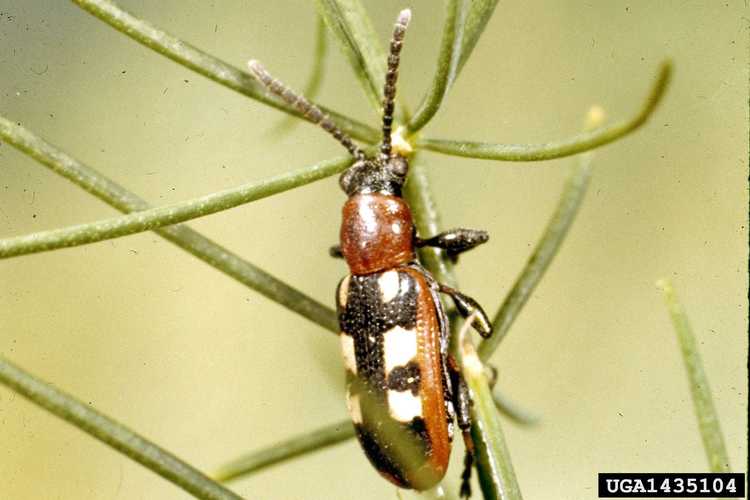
465,491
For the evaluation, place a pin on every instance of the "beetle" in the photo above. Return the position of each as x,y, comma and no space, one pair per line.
404,390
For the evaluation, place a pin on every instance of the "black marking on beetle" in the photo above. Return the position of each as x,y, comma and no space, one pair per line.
377,453
368,352
365,313
378,441
405,378
366,318
419,428
367,388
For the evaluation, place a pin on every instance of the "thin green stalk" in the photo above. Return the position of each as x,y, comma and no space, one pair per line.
207,65
123,200
494,467
311,89
546,248
485,424
544,251
446,65
464,24
297,446
153,218
475,14
352,27
427,221
512,410
566,147
112,433
700,390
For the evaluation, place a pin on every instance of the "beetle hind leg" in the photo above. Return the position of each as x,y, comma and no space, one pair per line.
462,404
465,490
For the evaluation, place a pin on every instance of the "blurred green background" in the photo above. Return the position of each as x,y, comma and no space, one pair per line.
210,370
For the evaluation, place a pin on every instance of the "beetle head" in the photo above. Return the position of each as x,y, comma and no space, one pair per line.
374,176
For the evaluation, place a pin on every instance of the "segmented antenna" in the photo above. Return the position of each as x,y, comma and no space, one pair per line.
308,109
389,90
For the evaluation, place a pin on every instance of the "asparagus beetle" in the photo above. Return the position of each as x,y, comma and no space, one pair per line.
394,330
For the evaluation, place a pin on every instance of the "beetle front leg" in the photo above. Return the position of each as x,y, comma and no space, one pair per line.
466,306
462,404
454,241
335,252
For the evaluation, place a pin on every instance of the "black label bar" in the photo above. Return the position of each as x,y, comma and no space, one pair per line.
667,485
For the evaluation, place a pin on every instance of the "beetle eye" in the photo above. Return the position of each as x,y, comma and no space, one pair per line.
353,177
398,165
345,180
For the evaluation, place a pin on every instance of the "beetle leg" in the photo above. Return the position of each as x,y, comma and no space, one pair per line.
462,403
465,490
455,241
466,306
335,252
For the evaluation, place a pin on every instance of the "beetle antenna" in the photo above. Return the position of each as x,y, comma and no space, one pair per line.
389,90
308,109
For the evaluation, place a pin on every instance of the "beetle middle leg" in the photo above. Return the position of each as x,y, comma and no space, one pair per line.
466,306
454,241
